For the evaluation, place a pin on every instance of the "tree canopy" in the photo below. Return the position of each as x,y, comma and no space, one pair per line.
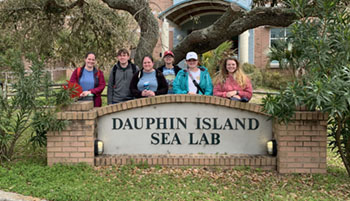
66,28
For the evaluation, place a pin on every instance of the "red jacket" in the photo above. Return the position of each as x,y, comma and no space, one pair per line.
232,85
99,87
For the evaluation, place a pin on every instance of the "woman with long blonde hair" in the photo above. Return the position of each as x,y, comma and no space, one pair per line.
231,82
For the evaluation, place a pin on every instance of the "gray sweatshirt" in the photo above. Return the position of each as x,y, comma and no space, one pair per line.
119,90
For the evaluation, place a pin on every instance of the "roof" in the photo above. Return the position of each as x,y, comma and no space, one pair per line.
184,10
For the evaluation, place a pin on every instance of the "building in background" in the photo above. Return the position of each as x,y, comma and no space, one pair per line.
178,18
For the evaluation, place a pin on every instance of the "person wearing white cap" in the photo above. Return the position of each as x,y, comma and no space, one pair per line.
169,70
193,80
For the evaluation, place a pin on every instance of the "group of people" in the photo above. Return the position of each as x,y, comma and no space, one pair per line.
127,81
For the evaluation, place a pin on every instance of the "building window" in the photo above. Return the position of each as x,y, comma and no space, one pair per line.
277,34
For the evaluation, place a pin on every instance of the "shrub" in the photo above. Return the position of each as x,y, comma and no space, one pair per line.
212,59
256,78
274,79
321,46
31,108
248,68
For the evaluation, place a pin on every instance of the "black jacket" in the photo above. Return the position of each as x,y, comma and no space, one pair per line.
162,84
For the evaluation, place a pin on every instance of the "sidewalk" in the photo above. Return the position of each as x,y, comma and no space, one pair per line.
6,196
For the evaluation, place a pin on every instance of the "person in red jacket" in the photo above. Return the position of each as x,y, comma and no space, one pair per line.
231,82
90,79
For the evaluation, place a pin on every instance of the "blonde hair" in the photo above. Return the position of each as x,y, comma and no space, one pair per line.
238,75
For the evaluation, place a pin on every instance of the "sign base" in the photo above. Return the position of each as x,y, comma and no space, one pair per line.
264,162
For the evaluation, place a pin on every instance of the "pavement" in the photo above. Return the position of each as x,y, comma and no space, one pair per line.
7,196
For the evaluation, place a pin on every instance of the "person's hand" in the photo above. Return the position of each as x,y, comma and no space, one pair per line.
192,93
85,93
236,96
151,93
231,94
147,93
144,93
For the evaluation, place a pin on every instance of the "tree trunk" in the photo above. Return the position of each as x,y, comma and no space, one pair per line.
142,13
231,24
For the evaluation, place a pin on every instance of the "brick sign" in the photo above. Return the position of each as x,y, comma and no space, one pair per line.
184,128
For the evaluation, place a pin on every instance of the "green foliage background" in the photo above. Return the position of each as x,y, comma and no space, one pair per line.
31,108
65,35
320,44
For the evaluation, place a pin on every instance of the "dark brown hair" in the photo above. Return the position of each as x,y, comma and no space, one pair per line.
149,56
123,51
87,54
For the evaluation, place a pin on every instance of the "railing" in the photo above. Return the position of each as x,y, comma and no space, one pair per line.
8,91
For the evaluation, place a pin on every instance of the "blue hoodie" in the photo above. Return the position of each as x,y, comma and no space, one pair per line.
180,84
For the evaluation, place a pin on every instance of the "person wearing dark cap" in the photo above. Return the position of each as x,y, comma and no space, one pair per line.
169,70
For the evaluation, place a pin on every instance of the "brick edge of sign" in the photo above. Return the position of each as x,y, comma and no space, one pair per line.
219,160
302,143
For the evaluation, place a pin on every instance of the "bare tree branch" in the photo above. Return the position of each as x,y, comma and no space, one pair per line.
231,24
148,24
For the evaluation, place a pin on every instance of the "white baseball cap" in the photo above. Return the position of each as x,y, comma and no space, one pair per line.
191,55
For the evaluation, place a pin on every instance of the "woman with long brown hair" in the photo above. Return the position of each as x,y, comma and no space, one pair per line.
231,82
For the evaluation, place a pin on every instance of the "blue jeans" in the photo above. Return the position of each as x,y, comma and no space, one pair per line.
242,99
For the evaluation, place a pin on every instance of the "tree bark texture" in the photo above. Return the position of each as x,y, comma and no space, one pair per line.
231,24
142,13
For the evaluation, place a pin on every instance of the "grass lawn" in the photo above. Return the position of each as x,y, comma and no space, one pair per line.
140,182
30,176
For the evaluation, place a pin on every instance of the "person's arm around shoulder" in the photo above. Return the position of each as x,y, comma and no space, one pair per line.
179,79
133,85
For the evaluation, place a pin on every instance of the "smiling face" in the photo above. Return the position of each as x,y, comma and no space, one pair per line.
192,63
168,59
231,66
90,61
123,58
147,64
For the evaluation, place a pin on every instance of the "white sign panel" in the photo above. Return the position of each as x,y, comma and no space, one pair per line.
184,128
